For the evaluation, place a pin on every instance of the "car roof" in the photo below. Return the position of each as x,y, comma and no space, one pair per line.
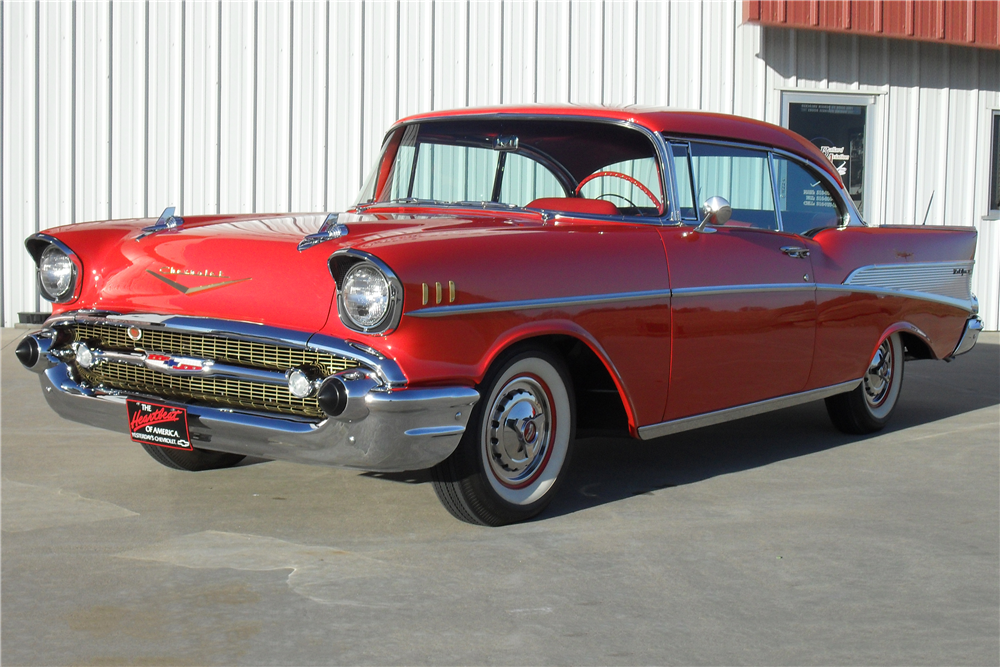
671,122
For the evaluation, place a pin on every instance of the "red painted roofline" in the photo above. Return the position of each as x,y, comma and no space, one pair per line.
689,124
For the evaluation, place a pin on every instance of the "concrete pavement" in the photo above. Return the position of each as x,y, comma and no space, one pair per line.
771,540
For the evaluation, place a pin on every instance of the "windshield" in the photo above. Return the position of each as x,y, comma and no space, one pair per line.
603,168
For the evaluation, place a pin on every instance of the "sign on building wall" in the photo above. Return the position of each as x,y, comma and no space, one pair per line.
840,127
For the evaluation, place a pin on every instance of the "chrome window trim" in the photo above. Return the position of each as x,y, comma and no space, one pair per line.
847,204
534,304
678,216
659,147
728,414
774,191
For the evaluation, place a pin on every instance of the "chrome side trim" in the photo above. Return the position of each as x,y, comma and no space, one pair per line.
947,279
741,289
750,409
533,304
973,327
968,305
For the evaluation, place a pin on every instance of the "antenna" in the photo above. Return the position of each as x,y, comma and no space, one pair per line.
929,202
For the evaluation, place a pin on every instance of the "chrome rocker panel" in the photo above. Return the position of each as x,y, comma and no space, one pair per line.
729,414
386,427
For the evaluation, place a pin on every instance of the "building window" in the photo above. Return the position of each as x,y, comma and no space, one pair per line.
995,167
841,126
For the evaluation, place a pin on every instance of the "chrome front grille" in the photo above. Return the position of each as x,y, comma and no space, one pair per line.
227,350
216,391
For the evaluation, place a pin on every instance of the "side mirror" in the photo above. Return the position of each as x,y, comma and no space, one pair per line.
715,210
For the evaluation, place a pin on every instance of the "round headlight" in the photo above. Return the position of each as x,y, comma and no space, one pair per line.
55,273
366,295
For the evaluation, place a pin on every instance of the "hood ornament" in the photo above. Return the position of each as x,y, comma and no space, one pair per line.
166,222
329,231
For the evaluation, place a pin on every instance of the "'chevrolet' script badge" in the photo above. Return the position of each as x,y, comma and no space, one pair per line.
190,276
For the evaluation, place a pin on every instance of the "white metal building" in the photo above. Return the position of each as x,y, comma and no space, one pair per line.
119,109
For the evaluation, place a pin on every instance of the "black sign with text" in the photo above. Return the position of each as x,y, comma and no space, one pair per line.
160,425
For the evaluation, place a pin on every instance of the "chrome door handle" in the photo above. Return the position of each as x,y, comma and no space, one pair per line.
792,251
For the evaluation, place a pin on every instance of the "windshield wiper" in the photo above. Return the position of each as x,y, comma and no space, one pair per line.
487,204
413,200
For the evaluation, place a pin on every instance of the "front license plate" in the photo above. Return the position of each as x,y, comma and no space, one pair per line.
160,425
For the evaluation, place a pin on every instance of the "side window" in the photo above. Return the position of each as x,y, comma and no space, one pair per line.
742,177
685,186
525,180
805,200
622,192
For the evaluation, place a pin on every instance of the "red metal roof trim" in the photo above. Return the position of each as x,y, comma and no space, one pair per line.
693,124
962,22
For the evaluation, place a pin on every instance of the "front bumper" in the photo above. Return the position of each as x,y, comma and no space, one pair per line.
385,428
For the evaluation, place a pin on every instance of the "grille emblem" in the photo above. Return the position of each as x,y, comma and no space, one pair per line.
135,333
172,364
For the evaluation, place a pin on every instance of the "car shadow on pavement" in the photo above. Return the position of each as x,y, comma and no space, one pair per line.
605,470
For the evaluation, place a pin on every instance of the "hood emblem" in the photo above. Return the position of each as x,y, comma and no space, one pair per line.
328,231
166,222
192,289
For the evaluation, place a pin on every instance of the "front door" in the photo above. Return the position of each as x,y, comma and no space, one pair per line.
743,296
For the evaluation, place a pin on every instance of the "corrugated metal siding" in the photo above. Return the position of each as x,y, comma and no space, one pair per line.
118,109
933,104
961,22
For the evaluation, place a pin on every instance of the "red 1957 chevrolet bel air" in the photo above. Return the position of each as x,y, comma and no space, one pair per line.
509,278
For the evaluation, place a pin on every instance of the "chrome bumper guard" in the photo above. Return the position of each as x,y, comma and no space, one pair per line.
385,428
973,327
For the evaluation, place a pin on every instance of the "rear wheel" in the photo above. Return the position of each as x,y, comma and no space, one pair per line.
868,407
510,461
193,460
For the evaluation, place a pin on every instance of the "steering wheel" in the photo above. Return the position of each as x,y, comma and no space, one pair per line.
625,177
625,199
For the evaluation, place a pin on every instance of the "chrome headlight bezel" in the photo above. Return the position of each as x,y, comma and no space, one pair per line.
349,262
42,247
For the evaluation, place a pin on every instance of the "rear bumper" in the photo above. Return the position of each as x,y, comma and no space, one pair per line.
973,327
385,428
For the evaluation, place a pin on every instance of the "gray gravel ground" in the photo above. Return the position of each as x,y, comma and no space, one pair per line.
772,540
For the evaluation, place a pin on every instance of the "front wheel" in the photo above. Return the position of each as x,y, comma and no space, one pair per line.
513,453
192,460
867,408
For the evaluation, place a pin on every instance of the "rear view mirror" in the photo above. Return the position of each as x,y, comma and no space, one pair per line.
715,211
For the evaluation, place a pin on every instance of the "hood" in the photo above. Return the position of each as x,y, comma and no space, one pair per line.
246,268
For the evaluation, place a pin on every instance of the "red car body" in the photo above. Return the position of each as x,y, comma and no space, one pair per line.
662,322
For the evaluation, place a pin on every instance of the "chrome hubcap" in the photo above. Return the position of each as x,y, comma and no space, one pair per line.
519,431
878,379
